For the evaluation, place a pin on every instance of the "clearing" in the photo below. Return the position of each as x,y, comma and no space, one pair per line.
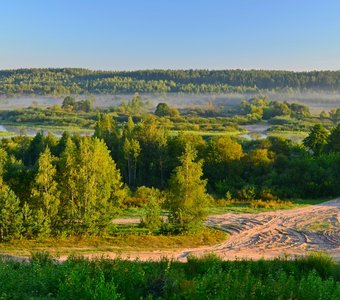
266,235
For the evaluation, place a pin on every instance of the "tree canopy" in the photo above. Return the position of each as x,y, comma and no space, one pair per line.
82,81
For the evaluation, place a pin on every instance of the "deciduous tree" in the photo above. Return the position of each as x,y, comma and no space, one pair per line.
188,198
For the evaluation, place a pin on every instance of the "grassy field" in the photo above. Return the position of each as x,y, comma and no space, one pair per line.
223,206
15,128
125,239
311,278
205,133
7,133
296,136
263,206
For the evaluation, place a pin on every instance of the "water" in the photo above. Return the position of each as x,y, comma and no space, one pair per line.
255,131
254,136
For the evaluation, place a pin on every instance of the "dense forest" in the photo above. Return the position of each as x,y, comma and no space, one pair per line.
83,81
76,185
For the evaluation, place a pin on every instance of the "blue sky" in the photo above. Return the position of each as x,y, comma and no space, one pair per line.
175,34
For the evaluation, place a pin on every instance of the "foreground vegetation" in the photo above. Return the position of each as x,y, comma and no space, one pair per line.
314,277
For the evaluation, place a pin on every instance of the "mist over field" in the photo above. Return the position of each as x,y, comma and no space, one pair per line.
317,101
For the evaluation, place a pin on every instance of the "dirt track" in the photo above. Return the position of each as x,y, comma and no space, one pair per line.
292,232
271,234
263,235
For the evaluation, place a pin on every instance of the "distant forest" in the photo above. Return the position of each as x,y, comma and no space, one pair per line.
83,81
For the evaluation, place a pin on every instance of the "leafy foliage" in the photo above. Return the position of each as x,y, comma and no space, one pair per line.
188,198
314,277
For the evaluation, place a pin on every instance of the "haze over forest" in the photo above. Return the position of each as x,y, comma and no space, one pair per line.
181,88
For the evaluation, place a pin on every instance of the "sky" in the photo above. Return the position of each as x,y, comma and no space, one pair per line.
298,35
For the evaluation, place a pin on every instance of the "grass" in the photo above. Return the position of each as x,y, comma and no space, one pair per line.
132,212
7,133
224,206
292,135
205,133
52,128
123,241
319,226
306,202
313,277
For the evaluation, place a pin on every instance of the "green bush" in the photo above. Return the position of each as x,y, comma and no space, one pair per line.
313,277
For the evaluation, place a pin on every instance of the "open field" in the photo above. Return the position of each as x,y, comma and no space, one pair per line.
270,234
134,214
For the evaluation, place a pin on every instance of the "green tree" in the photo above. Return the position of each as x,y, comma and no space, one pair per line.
37,146
11,217
324,115
222,160
152,218
97,187
67,166
136,105
334,140
335,114
153,143
131,150
28,222
187,195
17,177
68,103
162,110
224,150
316,139
45,194
106,128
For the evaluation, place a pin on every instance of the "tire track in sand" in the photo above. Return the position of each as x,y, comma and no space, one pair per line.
263,235
270,234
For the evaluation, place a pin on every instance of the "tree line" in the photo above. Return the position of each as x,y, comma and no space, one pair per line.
83,81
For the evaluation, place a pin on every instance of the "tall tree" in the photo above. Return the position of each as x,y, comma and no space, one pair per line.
153,141
10,214
106,128
131,150
37,146
222,161
68,103
45,194
97,187
188,198
316,139
334,140
67,171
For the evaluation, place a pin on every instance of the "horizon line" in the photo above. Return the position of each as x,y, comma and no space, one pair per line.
169,69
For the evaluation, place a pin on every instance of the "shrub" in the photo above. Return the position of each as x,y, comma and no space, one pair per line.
152,218
142,195
247,193
270,204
